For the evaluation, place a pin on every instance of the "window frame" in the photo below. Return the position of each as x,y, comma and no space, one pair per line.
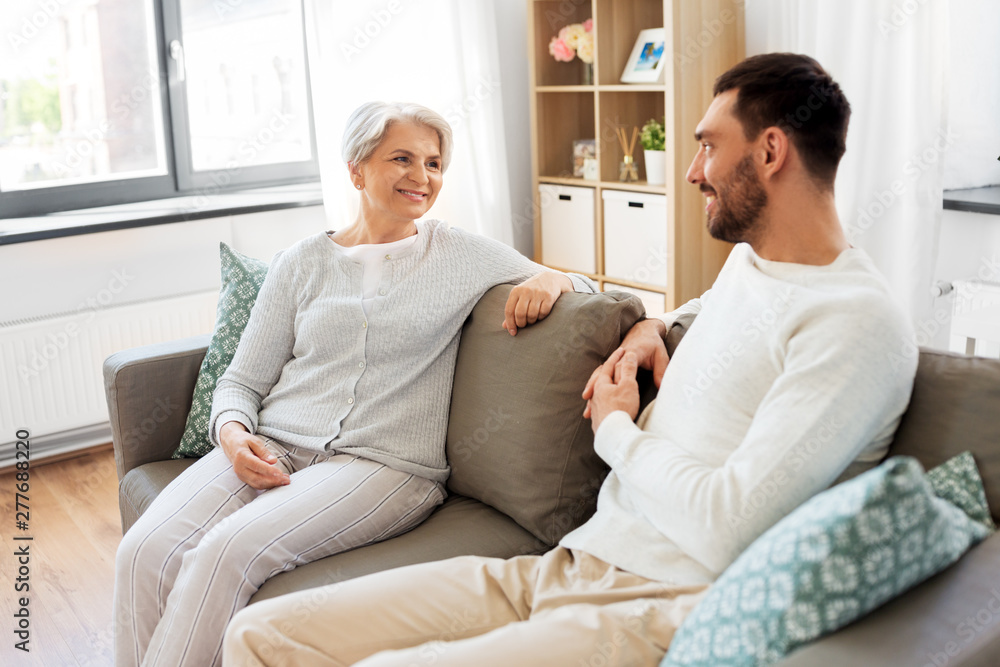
181,179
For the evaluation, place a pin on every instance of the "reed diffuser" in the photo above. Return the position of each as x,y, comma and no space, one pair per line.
627,172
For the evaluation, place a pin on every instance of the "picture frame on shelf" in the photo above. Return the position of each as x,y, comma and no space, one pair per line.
583,149
646,63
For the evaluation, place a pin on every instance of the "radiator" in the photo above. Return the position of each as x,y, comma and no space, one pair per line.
975,320
51,367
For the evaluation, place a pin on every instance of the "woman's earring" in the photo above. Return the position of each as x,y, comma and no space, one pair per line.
358,187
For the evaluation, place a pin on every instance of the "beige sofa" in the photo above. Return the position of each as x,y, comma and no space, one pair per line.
524,471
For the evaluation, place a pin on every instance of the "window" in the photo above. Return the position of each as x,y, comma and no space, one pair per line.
113,101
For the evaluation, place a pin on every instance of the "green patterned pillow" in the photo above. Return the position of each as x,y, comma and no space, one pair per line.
837,557
241,280
957,480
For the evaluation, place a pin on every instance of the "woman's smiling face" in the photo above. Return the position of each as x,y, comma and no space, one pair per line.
402,177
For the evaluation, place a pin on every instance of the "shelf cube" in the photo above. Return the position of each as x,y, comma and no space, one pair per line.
635,237
568,227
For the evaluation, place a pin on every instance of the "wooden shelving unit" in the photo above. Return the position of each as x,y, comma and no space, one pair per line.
703,39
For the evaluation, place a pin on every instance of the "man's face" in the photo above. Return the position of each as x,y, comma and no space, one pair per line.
725,172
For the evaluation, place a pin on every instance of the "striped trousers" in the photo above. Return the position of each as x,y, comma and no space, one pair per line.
209,541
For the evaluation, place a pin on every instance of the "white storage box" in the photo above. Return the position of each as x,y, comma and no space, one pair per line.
568,227
654,302
635,237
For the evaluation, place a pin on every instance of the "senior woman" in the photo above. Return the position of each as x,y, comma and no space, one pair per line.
330,422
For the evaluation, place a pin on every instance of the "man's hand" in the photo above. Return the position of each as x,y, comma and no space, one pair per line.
533,299
252,462
645,340
615,388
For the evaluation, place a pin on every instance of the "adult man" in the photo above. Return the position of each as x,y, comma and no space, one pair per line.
785,379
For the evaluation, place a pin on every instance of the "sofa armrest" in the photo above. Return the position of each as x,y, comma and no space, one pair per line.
149,391
951,619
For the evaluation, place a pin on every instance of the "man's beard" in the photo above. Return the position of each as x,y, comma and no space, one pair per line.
738,204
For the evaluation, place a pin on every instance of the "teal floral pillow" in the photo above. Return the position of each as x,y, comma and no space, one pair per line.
242,277
837,557
957,480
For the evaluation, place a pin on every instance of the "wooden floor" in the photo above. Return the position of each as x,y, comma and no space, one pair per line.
75,528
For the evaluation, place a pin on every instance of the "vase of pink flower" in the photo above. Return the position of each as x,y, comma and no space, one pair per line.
576,41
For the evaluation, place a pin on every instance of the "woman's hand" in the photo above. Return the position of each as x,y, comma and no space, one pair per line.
252,461
533,299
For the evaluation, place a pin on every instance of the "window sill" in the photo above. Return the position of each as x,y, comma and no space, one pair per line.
974,200
159,212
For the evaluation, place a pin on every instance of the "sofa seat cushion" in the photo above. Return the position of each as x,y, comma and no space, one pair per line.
141,485
953,409
460,527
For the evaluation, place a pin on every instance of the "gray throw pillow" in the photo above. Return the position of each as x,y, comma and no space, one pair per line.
517,439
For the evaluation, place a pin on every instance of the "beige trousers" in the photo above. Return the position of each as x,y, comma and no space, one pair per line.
563,608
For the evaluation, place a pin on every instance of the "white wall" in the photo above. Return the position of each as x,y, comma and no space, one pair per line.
58,275
969,248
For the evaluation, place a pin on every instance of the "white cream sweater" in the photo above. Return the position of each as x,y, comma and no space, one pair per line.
789,374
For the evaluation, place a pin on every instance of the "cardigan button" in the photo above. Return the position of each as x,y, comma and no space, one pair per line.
350,401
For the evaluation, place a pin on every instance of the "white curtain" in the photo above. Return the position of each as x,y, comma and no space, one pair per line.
890,58
439,53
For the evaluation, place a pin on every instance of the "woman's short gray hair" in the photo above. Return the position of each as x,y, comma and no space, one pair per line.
368,124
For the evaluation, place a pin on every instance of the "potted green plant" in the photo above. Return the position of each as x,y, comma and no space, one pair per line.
654,140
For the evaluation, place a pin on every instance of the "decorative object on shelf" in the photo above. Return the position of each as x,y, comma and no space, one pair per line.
576,41
582,149
590,169
627,172
654,140
645,65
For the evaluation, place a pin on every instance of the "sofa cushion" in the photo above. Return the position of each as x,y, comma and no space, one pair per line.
460,527
676,332
954,408
838,556
517,439
241,280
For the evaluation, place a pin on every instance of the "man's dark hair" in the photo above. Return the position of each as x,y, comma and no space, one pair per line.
794,93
